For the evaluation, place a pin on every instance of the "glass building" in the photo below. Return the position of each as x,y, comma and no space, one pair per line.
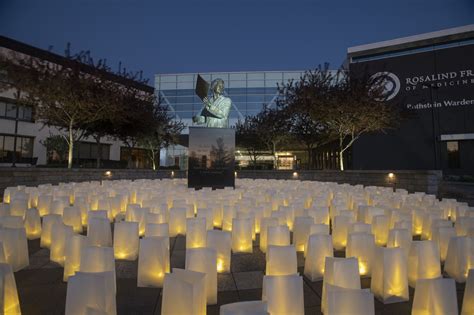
249,92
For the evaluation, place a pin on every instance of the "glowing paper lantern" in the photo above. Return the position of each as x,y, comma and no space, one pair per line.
155,218
184,292
18,207
264,225
204,260
15,247
32,224
468,299
460,257
278,235
220,241
380,229
341,272
349,301
435,297
91,293
57,205
360,227
153,261
301,231
126,240
59,234
283,294
72,217
72,254
339,233
441,236
281,260
320,215
423,261
228,214
99,232
400,238
44,204
48,221
161,229
319,247
390,275
4,209
12,222
196,232
247,308
207,214
98,259
463,224
137,215
319,229
242,235
177,221
362,246
9,302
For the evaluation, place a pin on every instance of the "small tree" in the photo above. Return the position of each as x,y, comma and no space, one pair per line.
354,107
56,145
248,138
163,133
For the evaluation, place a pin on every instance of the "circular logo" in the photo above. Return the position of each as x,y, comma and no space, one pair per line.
389,84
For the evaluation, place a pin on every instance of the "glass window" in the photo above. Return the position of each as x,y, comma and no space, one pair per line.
273,76
167,78
11,110
238,76
238,98
259,90
183,107
185,92
255,76
185,78
237,91
185,85
185,99
255,98
253,84
453,154
8,144
84,151
168,93
237,84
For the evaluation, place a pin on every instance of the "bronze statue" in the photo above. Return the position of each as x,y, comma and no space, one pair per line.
215,112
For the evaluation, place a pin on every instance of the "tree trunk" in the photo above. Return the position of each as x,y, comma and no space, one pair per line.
99,151
341,152
153,159
310,157
275,160
71,146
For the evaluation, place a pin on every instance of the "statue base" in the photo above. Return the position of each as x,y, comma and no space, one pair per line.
211,157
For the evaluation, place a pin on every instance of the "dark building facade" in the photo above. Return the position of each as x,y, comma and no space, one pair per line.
430,77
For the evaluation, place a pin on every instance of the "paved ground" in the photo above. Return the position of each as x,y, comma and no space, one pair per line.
42,291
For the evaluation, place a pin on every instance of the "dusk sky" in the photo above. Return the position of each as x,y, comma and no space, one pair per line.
164,36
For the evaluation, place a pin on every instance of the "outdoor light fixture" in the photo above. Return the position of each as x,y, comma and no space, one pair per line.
391,175
172,173
295,174
108,173
235,174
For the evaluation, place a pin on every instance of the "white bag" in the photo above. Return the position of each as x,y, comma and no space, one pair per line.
435,297
281,260
126,240
153,261
283,294
204,260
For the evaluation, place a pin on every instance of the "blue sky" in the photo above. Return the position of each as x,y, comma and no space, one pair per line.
168,36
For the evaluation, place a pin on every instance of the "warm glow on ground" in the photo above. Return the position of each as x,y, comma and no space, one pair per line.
362,268
220,265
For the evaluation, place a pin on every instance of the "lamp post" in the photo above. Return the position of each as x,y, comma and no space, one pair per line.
16,129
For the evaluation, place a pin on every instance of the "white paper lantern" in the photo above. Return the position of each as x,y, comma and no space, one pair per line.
18,207
204,260
435,297
221,241
207,214
32,224
301,232
278,235
98,259
48,221
319,247
441,236
15,247
184,292
468,299
44,204
463,224
281,260
72,254
72,217
91,292
339,232
244,308
9,302
423,262
380,229
349,301
242,235
228,214
12,222
319,229
320,215
283,294
153,261
460,257
264,225
196,232
126,240
400,238
99,232
58,204
361,246
341,272
137,215
177,223
390,275
360,227
161,229
59,235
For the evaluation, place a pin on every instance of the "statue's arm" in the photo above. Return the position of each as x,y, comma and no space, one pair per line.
221,111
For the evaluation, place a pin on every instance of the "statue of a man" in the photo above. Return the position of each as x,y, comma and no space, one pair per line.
215,112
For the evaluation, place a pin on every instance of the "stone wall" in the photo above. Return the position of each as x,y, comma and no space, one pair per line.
427,181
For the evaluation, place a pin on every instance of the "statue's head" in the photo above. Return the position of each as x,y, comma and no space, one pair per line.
217,86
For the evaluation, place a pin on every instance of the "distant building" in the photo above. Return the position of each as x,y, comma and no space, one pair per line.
29,133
